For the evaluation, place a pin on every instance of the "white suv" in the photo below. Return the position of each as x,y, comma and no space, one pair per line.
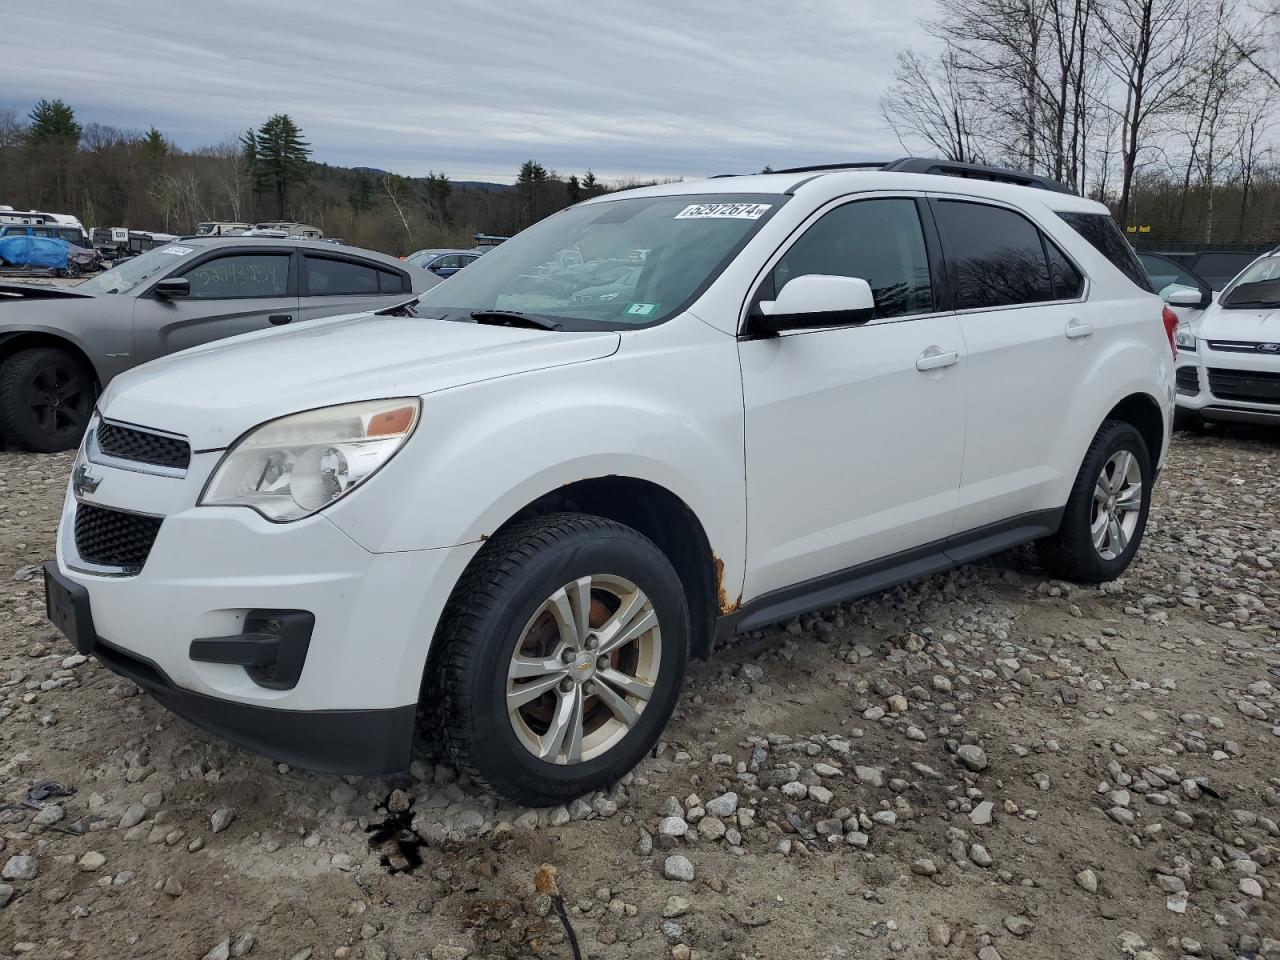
1229,361
513,508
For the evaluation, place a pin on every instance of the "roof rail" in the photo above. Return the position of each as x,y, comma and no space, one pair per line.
975,171
819,167
946,168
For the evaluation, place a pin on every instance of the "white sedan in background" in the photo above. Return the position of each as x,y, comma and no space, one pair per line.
1228,345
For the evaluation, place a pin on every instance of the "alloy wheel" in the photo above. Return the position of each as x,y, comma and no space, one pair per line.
61,399
584,668
1117,504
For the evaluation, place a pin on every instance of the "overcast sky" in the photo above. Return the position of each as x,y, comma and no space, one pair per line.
474,87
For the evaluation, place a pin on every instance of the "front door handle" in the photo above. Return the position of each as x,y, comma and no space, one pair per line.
935,359
279,319
1078,330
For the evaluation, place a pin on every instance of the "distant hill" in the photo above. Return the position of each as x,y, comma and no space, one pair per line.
481,185
464,184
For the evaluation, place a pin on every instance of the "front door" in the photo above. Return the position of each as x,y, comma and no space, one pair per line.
854,435
231,293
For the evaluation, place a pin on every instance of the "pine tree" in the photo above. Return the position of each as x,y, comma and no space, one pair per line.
573,188
590,186
360,196
53,120
277,158
154,145
529,181
436,193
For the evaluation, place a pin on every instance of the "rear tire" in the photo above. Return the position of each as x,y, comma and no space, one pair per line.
509,628
46,399
1106,514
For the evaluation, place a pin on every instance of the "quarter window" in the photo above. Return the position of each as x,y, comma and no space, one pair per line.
880,241
1105,237
240,275
997,256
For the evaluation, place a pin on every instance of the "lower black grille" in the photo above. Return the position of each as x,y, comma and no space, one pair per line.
114,538
1248,386
1188,381
143,446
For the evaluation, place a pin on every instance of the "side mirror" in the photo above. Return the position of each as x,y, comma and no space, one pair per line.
816,300
1188,297
173,288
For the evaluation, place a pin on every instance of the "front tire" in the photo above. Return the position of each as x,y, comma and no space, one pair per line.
563,652
46,399
1106,515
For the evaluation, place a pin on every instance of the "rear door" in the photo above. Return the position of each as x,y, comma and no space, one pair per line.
333,284
854,434
233,291
1030,338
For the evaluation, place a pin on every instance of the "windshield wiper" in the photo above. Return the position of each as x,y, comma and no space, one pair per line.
513,318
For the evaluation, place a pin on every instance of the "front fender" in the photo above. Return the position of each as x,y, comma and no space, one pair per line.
663,409
105,343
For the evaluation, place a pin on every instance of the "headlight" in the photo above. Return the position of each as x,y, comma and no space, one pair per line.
1185,339
289,468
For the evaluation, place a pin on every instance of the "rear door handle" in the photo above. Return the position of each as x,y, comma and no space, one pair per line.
279,319
935,359
1078,330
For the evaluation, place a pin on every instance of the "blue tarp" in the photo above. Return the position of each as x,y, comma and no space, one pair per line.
24,251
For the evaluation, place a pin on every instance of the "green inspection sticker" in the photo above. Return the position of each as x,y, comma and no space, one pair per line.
642,310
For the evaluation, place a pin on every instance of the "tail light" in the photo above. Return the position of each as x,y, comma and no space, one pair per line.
1171,329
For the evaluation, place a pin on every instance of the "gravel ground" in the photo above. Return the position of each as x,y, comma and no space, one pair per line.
983,764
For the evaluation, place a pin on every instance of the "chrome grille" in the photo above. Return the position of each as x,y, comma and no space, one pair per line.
142,446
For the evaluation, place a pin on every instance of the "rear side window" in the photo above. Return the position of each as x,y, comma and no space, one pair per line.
327,277
1068,282
997,256
1105,237
880,241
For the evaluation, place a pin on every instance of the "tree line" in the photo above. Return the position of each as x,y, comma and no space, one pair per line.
1165,109
107,176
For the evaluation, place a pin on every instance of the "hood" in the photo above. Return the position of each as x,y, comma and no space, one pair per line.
14,292
214,393
1256,326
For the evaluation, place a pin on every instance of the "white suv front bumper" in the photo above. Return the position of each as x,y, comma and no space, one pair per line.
1237,384
351,707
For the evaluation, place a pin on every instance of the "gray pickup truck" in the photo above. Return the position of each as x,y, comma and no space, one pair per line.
60,345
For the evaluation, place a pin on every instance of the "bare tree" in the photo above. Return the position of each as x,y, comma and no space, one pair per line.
1147,48
928,102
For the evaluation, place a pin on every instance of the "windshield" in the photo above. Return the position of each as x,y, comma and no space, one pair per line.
1258,286
138,270
620,263
204,229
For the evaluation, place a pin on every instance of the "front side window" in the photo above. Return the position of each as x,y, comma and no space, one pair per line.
879,241
237,276
612,264
996,254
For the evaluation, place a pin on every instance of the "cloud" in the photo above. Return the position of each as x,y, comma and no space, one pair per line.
627,89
